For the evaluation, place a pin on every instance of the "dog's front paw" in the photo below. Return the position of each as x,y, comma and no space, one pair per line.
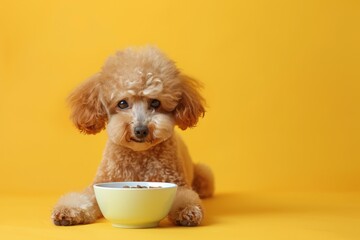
66,216
73,209
188,216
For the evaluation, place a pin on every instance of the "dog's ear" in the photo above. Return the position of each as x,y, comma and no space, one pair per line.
87,111
191,104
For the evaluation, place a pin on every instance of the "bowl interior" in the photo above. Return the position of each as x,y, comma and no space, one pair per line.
134,185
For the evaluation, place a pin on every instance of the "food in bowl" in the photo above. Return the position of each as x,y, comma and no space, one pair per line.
135,204
139,186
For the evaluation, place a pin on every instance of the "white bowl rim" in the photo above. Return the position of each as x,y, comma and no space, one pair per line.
120,185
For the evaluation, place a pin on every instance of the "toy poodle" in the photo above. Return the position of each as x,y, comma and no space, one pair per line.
140,96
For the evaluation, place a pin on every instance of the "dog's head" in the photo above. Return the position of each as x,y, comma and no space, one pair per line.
140,95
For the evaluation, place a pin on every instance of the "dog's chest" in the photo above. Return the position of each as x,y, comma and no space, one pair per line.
153,166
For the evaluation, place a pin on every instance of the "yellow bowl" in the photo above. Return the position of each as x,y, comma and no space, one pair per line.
126,205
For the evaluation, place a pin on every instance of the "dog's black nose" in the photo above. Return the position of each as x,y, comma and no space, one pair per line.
141,131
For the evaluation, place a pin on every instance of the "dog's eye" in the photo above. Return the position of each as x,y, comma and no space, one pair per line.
155,103
123,104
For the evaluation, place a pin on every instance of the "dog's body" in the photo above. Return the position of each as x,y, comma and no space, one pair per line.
140,96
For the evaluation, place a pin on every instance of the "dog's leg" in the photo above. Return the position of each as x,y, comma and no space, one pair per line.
187,209
76,208
203,182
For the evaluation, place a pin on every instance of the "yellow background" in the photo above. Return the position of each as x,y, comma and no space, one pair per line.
282,82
